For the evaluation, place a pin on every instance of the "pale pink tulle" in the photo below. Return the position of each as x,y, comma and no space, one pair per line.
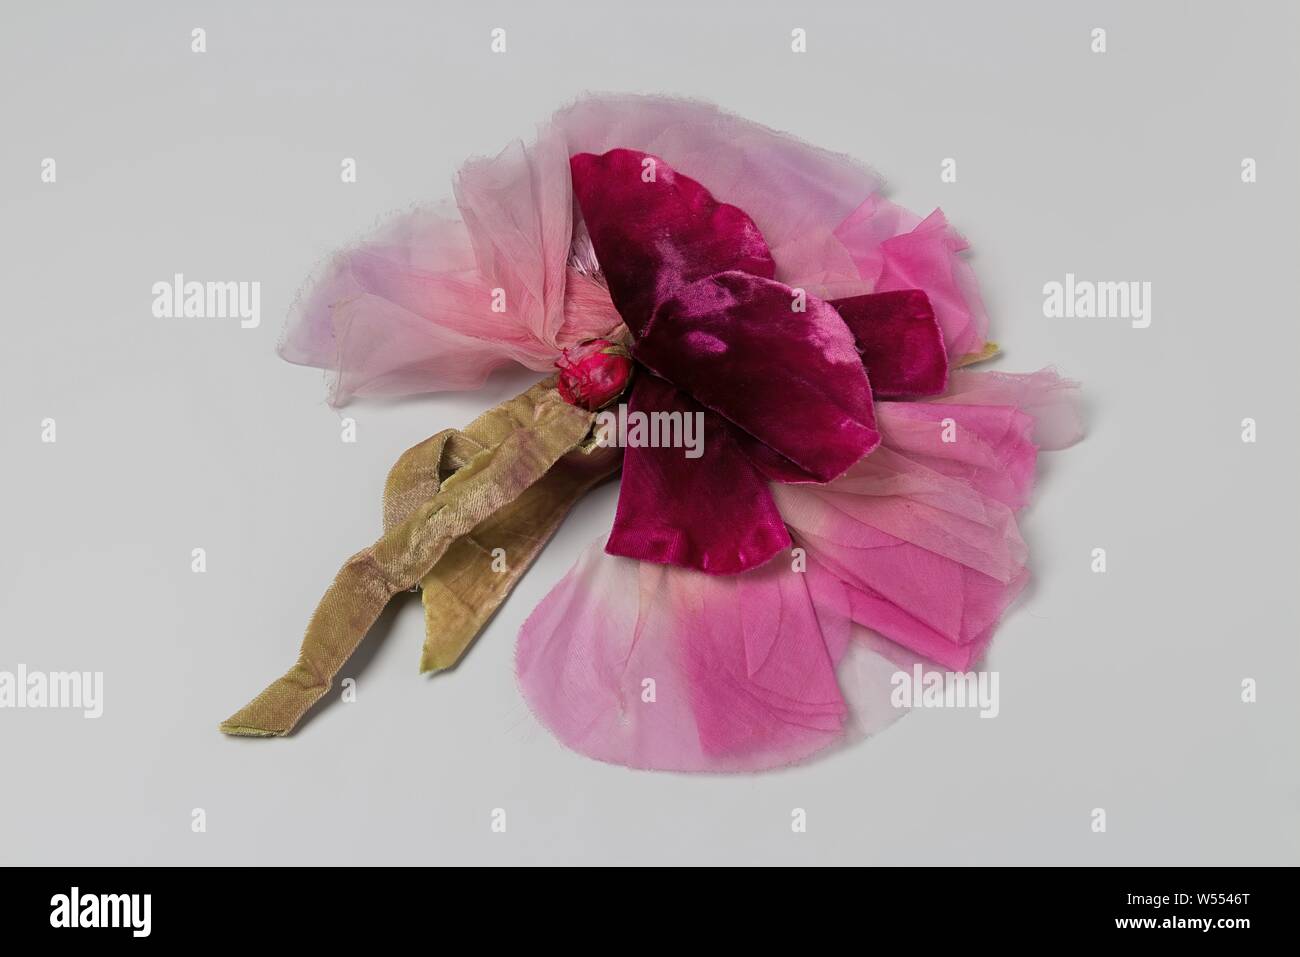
1051,401
893,248
412,309
918,543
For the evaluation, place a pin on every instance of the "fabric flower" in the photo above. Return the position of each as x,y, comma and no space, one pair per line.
593,373
782,376
854,511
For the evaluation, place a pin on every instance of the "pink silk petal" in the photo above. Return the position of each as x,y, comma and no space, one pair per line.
793,380
713,513
887,496
922,534
992,448
1051,401
864,668
656,231
944,612
900,342
741,676
929,562
894,250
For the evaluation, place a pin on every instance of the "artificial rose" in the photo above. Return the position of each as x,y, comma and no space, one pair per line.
593,373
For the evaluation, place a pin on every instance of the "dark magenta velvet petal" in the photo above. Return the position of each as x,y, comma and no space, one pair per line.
714,513
772,464
792,380
652,238
900,341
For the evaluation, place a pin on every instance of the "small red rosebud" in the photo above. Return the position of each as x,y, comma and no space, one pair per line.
593,373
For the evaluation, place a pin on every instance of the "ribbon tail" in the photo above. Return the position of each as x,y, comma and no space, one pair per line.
464,590
525,437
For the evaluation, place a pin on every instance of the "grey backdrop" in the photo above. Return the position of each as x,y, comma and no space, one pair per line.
1119,691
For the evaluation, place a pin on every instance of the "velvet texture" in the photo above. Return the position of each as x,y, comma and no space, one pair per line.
506,480
900,342
655,231
792,380
713,513
780,371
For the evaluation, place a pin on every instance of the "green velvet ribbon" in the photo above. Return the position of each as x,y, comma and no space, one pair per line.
465,513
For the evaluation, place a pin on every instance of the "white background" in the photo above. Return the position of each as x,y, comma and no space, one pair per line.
1119,691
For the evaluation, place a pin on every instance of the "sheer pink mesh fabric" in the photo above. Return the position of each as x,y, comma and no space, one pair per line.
412,309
